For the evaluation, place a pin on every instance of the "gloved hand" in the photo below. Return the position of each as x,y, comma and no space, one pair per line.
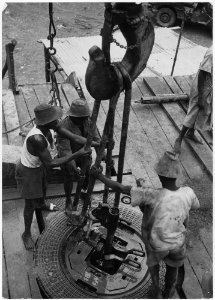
96,171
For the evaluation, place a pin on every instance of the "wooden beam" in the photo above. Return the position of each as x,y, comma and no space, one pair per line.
191,285
11,118
206,236
30,99
5,286
183,84
15,253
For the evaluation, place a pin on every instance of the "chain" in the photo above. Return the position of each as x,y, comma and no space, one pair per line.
124,47
51,27
52,51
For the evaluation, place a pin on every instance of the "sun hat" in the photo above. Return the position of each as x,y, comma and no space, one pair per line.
46,113
168,165
79,108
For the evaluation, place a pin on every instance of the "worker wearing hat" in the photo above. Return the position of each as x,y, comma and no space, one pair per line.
35,159
165,216
77,122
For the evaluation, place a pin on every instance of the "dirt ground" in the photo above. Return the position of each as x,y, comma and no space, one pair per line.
29,22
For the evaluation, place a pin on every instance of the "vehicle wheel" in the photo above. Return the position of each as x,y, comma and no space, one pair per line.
165,17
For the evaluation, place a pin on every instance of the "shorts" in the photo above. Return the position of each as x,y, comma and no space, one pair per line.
31,182
173,258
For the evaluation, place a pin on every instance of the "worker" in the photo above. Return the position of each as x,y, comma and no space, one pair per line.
77,121
35,159
166,213
199,114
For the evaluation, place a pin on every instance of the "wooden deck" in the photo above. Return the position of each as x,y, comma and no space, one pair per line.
152,130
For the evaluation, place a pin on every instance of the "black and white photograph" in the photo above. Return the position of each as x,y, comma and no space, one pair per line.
107,150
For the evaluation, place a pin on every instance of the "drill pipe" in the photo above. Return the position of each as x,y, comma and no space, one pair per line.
124,131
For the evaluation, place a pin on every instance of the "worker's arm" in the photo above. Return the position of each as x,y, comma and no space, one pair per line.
40,145
204,88
73,137
114,185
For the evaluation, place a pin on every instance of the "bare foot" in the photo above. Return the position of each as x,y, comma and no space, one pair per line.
75,218
177,146
193,137
28,242
68,209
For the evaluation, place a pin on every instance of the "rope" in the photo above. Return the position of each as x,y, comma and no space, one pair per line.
24,124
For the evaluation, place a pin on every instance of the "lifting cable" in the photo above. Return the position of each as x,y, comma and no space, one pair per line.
52,51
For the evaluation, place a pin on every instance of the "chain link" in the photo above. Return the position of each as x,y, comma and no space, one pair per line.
125,47
54,91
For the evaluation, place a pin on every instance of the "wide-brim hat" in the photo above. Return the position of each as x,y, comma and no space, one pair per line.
47,113
79,108
168,166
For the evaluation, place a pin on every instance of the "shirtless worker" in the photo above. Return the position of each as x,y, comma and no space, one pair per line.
199,115
165,219
36,158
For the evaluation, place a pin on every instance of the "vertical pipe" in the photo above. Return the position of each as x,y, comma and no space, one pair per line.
177,48
10,64
47,64
109,151
100,152
124,131
113,218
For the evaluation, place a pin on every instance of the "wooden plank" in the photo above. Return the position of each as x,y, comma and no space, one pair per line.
203,152
183,84
190,78
23,114
70,92
53,190
206,236
191,285
35,291
11,118
173,85
33,287
5,287
43,95
30,99
15,253
199,259
4,136
42,92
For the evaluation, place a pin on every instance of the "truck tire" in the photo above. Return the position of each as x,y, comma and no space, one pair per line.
165,17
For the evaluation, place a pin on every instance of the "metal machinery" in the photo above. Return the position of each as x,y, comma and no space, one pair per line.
99,253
